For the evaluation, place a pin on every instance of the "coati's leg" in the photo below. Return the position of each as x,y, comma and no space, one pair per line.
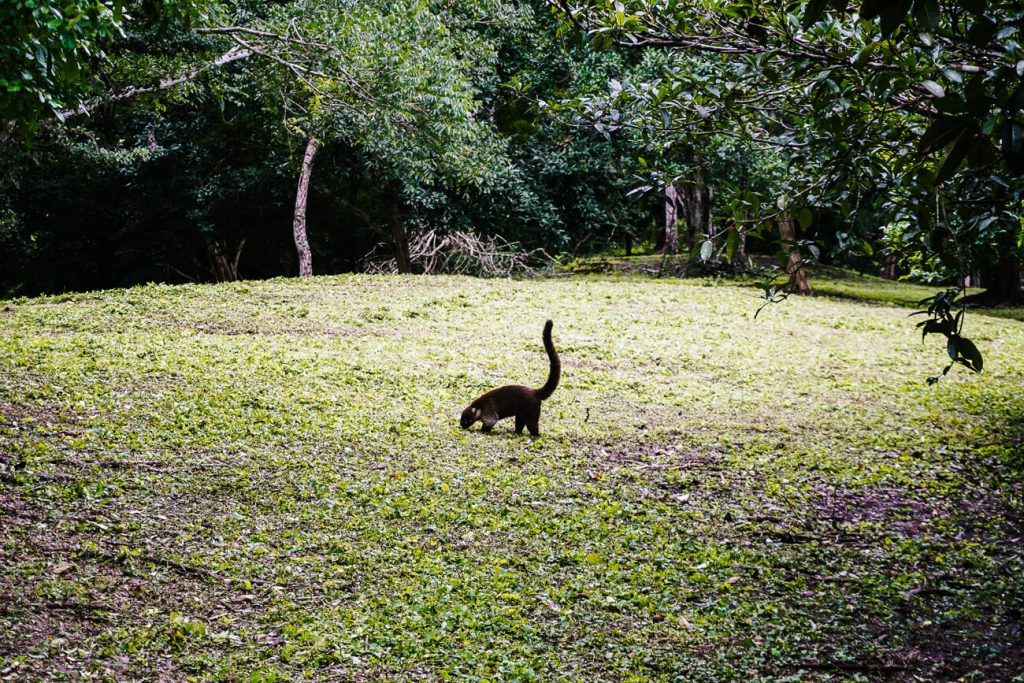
520,423
489,421
533,422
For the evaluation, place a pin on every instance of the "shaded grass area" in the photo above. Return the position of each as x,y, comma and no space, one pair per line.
266,481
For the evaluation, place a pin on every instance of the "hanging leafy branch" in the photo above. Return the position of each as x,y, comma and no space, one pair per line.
942,320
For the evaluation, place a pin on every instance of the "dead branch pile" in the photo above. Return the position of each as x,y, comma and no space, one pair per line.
462,253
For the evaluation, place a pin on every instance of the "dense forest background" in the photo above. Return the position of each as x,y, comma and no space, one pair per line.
203,141
202,186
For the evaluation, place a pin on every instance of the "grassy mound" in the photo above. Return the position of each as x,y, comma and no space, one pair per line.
266,481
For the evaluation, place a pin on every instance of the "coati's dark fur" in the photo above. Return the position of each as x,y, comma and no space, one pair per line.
515,399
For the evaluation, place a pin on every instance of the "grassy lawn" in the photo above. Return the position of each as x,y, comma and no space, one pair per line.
266,481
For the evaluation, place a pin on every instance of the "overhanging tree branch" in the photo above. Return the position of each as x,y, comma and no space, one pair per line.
235,54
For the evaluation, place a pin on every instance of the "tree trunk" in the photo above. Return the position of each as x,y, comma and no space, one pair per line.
739,261
689,201
888,267
399,239
299,222
708,198
1009,281
795,267
221,267
669,240
1004,285
695,199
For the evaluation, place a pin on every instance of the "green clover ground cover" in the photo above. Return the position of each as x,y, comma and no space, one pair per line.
266,481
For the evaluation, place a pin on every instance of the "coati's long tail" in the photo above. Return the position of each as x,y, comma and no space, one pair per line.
556,366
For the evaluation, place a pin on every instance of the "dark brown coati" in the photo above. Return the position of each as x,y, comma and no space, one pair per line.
515,399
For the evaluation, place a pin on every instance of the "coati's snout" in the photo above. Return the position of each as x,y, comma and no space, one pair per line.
469,416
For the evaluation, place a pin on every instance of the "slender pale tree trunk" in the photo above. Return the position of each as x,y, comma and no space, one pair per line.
669,243
795,268
739,259
299,221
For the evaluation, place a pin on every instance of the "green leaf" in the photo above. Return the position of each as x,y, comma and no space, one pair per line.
601,41
813,12
927,13
982,154
934,88
955,157
970,353
950,104
942,131
706,250
869,9
1013,146
804,217
932,326
893,15
865,54
982,31
732,243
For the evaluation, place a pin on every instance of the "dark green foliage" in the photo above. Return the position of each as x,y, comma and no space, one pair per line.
46,52
51,52
942,320
95,212
220,168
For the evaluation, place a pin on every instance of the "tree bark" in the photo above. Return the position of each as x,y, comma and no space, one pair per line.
1004,285
694,202
299,220
795,268
222,267
1009,281
739,261
233,55
888,270
399,239
694,198
669,240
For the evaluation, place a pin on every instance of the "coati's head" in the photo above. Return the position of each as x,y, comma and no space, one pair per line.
469,416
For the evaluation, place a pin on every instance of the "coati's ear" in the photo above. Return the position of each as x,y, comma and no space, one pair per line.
476,412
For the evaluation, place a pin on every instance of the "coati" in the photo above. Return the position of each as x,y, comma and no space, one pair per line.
515,399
